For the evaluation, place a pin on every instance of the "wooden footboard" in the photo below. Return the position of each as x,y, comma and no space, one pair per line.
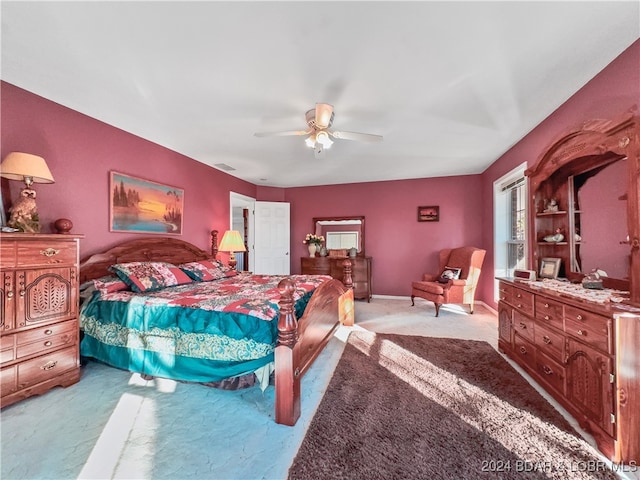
300,342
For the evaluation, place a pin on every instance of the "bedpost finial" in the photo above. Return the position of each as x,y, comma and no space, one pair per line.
287,323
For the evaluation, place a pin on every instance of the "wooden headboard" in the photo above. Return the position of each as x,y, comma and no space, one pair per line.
150,249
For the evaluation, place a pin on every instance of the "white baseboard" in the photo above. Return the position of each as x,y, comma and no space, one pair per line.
408,298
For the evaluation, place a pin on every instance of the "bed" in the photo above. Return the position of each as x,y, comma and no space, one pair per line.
214,325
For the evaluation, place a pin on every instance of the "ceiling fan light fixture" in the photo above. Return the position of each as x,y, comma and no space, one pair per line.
323,138
311,140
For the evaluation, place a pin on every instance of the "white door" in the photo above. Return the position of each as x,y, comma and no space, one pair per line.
272,238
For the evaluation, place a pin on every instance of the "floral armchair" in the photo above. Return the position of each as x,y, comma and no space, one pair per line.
456,281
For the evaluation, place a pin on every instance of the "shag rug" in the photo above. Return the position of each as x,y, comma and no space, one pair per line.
408,407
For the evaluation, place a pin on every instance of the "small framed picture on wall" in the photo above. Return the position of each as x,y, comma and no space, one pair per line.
429,214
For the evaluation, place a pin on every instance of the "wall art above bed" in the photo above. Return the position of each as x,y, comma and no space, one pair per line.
137,205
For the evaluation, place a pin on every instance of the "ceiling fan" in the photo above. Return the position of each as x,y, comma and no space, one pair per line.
319,120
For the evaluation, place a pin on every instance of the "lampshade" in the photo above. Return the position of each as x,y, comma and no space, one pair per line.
232,242
27,167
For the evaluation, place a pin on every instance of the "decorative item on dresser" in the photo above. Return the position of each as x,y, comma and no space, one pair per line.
39,306
30,169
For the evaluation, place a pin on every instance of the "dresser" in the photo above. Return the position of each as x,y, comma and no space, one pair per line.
582,353
39,314
360,272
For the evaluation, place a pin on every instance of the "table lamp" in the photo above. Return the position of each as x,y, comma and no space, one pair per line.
232,242
30,169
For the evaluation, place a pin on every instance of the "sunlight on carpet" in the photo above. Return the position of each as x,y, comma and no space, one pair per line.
107,452
478,408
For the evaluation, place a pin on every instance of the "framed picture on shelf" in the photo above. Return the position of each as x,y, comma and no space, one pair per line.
429,214
138,205
549,267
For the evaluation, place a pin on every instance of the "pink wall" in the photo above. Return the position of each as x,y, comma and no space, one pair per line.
613,91
81,151
402,249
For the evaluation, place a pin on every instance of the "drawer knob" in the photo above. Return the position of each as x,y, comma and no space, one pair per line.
523,350
49,252
546,305
546,317
49,365
9,294
519,305
519,296
547,370
580,332
546,340
579,317
48,332
48,343
523,325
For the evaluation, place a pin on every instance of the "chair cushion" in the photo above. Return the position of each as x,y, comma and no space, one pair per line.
434,288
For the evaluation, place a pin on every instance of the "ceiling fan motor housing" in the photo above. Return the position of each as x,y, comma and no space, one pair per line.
310,117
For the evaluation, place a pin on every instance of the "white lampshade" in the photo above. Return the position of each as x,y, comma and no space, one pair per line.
27,167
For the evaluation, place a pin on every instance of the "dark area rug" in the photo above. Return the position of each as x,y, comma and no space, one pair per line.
407,407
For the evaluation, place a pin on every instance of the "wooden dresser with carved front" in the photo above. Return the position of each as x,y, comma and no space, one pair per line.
39,314
583,353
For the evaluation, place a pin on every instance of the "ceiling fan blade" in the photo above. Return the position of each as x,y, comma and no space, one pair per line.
324,115
283,134
360,137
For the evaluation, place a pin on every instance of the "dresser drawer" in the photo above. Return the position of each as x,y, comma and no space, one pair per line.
523,325
549,311
315,266
550,342
7,350
44,345
8,377
39,369
524,351
46,332
505,292
595,332
551,372
46,253
523,301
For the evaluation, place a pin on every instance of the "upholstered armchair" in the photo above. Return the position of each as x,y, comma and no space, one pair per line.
456,280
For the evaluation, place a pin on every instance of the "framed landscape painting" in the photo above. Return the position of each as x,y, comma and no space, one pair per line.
142,206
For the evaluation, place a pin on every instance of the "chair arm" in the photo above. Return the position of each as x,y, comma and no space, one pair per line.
427,277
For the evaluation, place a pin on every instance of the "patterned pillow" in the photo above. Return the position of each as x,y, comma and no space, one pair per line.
149,276
109,284
449,273
207,270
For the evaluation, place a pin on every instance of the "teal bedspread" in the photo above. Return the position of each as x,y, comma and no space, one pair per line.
200,332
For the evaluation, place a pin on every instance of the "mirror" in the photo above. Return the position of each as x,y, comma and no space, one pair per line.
341,232
601,220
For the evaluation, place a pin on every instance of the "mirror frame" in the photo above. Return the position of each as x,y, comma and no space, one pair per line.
361,252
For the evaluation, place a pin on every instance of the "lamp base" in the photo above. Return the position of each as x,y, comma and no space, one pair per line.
232,261
24,212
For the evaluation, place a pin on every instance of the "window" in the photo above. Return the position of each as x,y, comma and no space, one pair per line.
510,223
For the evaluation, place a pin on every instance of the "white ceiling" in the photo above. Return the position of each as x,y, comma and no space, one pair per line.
450,85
